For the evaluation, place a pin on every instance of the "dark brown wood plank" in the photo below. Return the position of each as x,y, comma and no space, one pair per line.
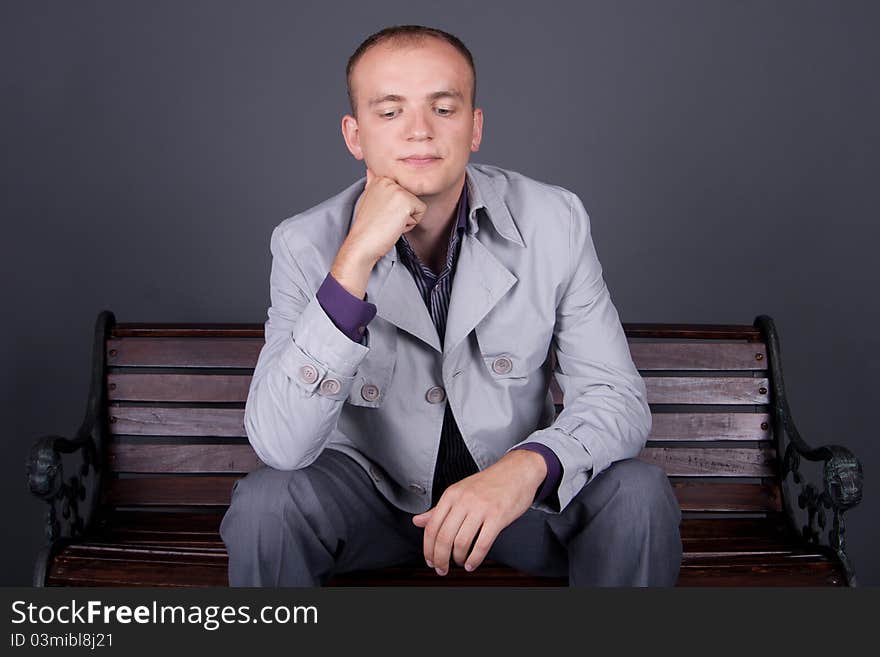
816,573
216,491
737,356
229,422
243,353
201,458
176,421
695,331
632,330
720,497
179,330
234,388
706,390
77,571
759,461
696,390
710,426
170,491
183,352
201,525
178,387
197,524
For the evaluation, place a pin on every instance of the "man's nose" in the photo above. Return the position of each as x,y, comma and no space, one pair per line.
419,126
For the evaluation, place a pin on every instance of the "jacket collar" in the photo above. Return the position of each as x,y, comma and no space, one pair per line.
483,193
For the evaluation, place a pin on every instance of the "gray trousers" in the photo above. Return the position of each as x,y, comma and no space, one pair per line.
299,527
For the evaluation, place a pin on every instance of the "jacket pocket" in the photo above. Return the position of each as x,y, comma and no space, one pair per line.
507,356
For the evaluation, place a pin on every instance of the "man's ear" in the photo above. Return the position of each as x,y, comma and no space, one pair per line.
351,136
477,135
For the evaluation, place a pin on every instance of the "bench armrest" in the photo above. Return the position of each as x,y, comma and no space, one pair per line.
78,497
45,475
841,487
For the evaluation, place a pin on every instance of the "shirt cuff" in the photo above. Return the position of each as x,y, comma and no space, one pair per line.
350,314
554,470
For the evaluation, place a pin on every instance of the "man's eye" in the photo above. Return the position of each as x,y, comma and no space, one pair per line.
445,109
387,115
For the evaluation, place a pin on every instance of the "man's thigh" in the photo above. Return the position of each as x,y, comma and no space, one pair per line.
333,508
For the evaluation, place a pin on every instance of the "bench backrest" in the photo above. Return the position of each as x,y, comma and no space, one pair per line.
176,399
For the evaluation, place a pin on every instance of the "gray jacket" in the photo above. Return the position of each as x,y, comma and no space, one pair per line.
527,281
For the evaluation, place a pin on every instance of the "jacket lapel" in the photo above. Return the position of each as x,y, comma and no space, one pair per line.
393,290
479,284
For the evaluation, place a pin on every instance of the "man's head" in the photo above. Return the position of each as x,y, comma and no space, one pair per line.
412,93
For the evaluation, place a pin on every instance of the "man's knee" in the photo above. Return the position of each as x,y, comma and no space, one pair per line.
644,493
264,501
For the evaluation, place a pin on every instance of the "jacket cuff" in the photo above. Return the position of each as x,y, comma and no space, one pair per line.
554,470
578,463
319,357
348,313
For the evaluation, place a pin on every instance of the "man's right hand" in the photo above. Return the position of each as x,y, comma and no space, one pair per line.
385,212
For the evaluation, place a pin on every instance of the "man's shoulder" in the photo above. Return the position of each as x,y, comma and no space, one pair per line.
510,182
538,208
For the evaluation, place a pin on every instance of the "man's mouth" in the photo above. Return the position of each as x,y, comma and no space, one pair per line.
420,161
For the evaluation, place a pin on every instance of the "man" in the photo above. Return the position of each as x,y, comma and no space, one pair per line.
401,400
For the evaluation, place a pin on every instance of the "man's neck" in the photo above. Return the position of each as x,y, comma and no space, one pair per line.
430,237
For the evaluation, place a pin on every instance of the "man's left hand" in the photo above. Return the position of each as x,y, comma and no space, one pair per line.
485,502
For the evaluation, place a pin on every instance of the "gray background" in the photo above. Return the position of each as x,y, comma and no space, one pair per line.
727,154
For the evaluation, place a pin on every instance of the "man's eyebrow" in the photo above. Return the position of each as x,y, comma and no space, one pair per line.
446,93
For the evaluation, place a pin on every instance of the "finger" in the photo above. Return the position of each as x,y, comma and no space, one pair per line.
418,211
465,538
446,537
437,517
487,537
422,519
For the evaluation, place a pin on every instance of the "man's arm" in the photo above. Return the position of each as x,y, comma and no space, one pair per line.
606,417
304,372
307,366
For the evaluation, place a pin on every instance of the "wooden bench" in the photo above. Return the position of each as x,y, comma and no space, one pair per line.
136,497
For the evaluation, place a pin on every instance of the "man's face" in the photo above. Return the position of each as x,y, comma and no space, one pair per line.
401,114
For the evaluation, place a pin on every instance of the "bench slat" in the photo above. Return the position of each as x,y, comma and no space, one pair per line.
757,461
710,426
234,388
216,490
243,353
184,352
229,423
706,390
139,569
178,387
698,355
254,330
177,421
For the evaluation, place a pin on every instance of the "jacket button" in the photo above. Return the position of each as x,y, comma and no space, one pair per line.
370,392
330,386
415,488
502,365
435,395
308,374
